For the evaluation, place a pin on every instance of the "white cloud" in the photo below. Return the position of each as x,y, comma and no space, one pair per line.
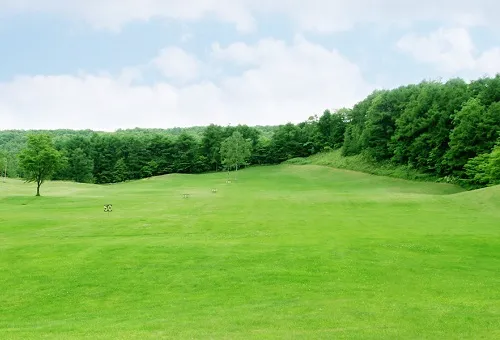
489,61
186,37
113,14
295,80
451,50
281,83
130,74
176,64
317,15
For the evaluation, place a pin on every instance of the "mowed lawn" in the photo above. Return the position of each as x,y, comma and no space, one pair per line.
286,252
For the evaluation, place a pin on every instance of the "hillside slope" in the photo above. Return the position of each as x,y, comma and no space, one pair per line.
360,163
487,198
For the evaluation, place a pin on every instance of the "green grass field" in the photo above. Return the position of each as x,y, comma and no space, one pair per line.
288,252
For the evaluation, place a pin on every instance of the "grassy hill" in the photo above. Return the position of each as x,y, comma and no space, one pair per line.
283,252
362,164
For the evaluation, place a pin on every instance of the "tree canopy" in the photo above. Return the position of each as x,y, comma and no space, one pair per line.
39,160
235,150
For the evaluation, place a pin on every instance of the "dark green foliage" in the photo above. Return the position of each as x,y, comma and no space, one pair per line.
80,166
210,145
159,150
352,140
413,136
4,162
487,90
311,136
356,119
77,155
331,128
431,127
477,171
11,143
484,169
185,153
475,132
380,123
120,171
290,141
261,152
452,96
150,169
247,132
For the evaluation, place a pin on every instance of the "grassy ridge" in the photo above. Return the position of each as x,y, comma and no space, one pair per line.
283,252
362,164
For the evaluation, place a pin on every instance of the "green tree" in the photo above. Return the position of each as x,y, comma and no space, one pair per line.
185,151
494,165
486,89
105,155
290,141
337,127
160,151
356,119
411,142
309,136
149,169
3,163
248,133
210,145
477,171
260,154
120,171
484,169
380,123
235,151
475,132
39,160
80,166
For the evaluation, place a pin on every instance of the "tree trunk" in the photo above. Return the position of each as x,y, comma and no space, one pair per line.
38,188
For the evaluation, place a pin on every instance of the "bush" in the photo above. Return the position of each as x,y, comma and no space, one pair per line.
298,161
484,169
494,166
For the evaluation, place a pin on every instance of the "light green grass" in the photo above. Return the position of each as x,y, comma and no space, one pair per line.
286,252
363,164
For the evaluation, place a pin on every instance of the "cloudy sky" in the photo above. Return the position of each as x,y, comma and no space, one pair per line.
109,64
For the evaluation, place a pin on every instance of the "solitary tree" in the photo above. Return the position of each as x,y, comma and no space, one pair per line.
235,151
39,160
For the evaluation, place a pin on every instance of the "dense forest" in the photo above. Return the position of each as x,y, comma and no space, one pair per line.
449,131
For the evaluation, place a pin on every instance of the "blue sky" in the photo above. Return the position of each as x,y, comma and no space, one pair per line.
105,65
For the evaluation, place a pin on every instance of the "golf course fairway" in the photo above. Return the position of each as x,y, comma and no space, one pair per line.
282,252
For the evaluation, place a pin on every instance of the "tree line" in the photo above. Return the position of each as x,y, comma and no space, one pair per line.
447,130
